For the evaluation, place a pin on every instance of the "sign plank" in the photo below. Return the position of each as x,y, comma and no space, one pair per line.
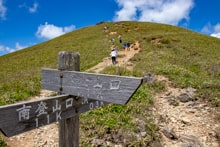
22,117
108,88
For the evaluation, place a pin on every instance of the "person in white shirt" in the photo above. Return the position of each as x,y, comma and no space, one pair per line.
113,55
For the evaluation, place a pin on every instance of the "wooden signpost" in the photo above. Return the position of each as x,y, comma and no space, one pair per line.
25,116
108,88
79,92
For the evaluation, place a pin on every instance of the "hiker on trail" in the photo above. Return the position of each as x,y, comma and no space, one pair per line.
105,28
113,40
124,45
113,55
120,39
128,45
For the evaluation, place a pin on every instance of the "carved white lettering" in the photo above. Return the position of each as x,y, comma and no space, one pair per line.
91,106
24,112
85,101
97,86
101,103
69,103
58,116
57,107
97,104
100,97
41,109
115,84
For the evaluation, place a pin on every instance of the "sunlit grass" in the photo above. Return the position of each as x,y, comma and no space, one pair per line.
122,120
187,58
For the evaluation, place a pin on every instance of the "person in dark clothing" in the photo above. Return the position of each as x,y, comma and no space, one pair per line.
120,39
124,45
128,46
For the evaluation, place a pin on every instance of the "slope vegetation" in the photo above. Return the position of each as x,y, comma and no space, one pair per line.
188,59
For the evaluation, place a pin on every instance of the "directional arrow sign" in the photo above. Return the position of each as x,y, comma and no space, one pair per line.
22,117
107,88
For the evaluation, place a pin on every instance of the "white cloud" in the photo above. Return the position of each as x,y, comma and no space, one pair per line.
6,49
216,32
217,35
217,27
49,31
207,29
213,30
31,9
18,46
161,11
34,8
3,10
2,48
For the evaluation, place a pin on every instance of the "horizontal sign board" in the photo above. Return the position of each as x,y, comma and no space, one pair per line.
22,117
108,88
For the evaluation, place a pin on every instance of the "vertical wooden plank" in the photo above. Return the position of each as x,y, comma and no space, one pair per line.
69,61
69,128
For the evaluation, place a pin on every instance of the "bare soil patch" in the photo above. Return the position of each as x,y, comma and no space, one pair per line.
182,122
47,136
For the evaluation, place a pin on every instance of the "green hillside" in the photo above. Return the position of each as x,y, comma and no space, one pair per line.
187,58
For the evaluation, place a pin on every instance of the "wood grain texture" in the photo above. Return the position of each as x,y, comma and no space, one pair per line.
11,125
68,128
14,119
108,88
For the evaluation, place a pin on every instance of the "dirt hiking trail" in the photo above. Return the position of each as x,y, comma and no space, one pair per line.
47,136
122,60
182,121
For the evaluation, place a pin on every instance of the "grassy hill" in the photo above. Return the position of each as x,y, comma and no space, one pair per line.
187,58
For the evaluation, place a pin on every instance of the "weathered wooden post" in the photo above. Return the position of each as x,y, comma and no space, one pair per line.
68,128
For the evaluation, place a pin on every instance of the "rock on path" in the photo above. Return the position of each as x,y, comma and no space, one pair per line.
185,123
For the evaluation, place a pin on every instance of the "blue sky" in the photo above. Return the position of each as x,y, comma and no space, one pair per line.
24,23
